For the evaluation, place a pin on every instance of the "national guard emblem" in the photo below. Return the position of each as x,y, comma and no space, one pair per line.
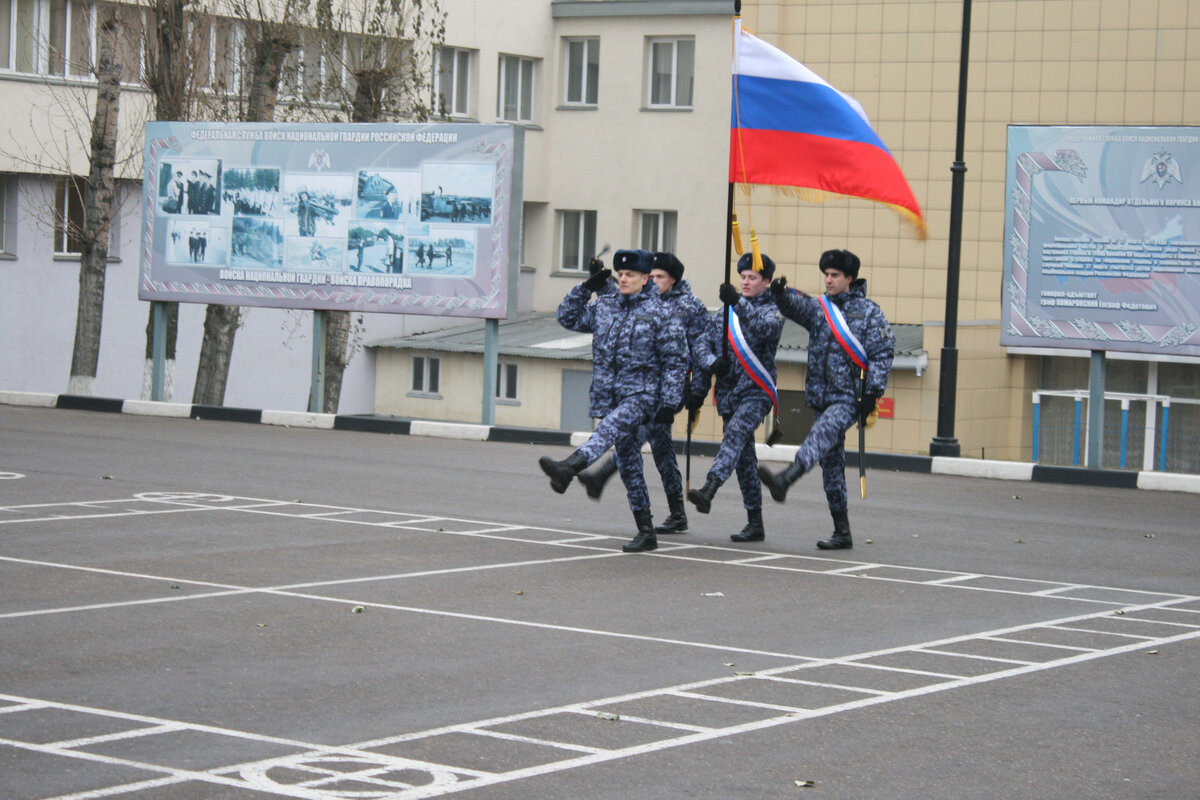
1162,168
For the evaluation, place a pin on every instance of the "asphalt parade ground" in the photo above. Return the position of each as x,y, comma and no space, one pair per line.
200,609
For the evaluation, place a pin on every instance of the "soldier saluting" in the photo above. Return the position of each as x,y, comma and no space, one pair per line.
639,363
850,352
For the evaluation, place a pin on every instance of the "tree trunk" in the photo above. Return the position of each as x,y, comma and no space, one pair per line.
212,373
367,106
268,51
99,195
170,70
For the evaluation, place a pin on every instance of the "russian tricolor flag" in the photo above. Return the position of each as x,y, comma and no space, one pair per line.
791,128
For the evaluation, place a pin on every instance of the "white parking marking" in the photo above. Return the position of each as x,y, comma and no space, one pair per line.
318,772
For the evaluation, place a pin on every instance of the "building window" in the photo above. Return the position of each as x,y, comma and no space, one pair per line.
426,375
452,82
656,230
514,93
45,37
219,69
578,238
506,381
8,213
68,216
671,72
583,71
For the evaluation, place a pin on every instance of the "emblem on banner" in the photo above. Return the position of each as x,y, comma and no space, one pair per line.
1162,168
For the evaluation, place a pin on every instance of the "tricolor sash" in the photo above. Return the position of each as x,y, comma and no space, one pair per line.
754,368
842,333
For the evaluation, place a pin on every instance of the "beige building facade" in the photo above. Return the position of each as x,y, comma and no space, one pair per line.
1047,62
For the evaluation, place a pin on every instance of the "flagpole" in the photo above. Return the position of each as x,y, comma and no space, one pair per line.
728,255
737,12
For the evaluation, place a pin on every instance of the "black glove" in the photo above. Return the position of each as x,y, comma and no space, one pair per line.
597,281
696,402
866,406
721,366
665,415
729,295
594,266
779,286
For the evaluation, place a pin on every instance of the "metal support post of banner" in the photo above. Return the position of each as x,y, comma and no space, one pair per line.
158,351
316,394
1095,436
491,344
945,443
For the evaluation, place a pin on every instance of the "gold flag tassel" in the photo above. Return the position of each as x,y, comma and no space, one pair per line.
758,265
737,235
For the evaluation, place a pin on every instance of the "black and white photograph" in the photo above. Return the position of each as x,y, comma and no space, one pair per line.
314,254
442,251
257,243
317,205
190,186
389,195
197,242
375,247
458,192
251,191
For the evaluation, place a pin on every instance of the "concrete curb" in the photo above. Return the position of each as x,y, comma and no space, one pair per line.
937,465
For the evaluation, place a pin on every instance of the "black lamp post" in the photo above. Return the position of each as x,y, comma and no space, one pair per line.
945,444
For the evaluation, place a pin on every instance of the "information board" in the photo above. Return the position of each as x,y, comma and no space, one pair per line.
1102,239
408,219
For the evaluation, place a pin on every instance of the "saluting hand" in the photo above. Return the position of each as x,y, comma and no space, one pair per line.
597,281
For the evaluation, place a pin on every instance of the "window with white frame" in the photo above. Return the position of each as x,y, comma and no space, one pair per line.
45,37
452,81
8,186
656,230
583,72
426,375
506,381
578,231
68,216
672,72
220,69
514,92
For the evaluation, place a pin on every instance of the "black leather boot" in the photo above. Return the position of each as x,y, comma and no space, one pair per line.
562,472
754,531
841,533
645,539
594,481
702,498
677,521
777,484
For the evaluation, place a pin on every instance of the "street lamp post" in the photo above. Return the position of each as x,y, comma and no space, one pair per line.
945,443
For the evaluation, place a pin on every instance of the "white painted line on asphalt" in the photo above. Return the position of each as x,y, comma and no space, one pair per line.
973,656
514,737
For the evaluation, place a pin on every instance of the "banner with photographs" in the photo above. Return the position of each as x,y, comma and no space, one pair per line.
408,219
1102,239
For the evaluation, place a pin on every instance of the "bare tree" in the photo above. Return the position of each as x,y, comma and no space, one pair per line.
99,195
172,51
270,35
384,49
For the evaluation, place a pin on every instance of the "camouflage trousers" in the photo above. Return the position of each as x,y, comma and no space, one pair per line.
619,429
826,445
737,450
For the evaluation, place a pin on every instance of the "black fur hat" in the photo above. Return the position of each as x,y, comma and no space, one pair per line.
669,264
636,260
747,262
843,261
